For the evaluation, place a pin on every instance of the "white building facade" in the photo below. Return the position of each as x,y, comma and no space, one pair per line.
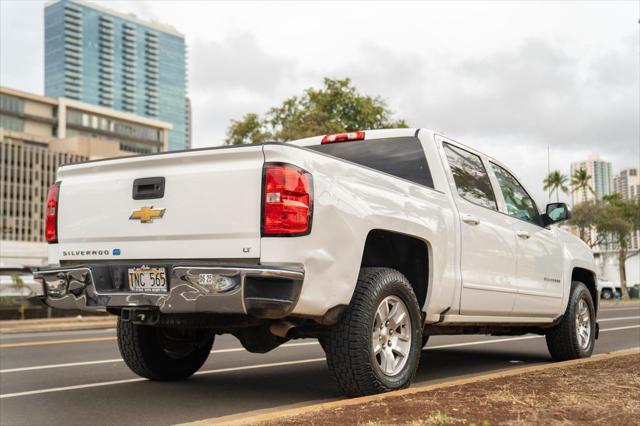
601,179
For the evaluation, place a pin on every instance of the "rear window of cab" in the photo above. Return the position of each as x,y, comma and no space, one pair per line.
402,157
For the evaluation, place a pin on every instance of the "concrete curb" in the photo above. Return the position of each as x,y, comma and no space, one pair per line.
273,414
56,324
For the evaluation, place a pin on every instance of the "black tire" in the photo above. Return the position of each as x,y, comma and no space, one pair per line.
350,354
158,353
425,340
607,294
562,339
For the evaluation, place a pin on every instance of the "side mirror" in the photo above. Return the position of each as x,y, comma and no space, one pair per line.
556,212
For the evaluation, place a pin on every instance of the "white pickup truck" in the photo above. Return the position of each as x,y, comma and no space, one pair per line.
368,241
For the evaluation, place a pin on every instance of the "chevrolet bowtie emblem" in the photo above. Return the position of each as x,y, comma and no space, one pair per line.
146,214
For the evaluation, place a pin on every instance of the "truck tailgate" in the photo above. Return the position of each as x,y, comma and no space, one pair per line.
211,207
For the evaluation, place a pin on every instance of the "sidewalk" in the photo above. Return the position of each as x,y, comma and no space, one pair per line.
57,324
630,303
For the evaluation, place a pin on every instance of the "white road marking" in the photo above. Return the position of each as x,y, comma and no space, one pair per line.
118,382
273,364
620,328
108,361
618,319
69,364
630,308
286,345
483,342
510,339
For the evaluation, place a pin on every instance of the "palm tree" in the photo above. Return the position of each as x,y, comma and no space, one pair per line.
580,180
555,182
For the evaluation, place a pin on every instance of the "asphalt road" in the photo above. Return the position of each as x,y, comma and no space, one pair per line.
71,378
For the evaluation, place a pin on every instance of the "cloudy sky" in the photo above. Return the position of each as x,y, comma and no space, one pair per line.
507,78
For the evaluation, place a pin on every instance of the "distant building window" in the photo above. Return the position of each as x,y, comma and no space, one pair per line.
116,127
137,148
11,123
11,104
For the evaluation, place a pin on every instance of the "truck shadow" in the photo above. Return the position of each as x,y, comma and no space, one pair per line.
437,365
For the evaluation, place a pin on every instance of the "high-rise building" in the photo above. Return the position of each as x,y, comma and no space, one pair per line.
627,184
600,181
102,57
37,135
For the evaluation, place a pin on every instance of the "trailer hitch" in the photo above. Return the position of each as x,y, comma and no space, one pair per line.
140,316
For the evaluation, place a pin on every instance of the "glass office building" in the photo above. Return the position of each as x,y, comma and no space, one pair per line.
114,60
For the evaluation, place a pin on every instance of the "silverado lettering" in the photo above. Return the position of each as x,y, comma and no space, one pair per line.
85,252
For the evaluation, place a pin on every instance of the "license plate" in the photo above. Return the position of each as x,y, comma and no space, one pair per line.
148,280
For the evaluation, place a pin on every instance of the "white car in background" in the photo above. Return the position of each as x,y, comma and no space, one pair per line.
608,289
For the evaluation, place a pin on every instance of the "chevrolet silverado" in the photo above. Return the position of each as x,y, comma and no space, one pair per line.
369,241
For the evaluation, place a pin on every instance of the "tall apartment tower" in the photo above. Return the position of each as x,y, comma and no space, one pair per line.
600,172
627,184
115,60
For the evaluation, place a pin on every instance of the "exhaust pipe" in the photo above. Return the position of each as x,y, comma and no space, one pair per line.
281,328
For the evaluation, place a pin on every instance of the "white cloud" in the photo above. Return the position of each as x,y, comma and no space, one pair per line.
510,78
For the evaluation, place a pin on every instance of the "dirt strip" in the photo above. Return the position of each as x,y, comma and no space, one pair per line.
604,389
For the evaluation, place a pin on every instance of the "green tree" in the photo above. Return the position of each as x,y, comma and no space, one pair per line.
248,130
619,219
580,181
585,216
336,107
556,182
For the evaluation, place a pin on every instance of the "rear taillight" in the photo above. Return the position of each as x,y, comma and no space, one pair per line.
51,215
343,137
287,200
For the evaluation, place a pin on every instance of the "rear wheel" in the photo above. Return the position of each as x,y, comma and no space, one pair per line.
159,353
607,294
574,336
375,347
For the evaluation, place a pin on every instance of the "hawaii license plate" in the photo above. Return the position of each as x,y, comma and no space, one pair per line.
148,280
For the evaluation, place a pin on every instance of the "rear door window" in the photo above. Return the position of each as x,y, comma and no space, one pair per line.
402,157
471,178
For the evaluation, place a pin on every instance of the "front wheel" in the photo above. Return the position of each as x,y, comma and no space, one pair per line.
159,353
574,336
375,347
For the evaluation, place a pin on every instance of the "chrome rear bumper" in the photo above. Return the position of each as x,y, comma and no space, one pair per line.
260,291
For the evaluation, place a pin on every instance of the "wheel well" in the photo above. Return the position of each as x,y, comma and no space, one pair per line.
406,254
588,278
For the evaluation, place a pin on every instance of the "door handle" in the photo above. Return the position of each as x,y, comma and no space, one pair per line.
148,188
471,220
523,234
